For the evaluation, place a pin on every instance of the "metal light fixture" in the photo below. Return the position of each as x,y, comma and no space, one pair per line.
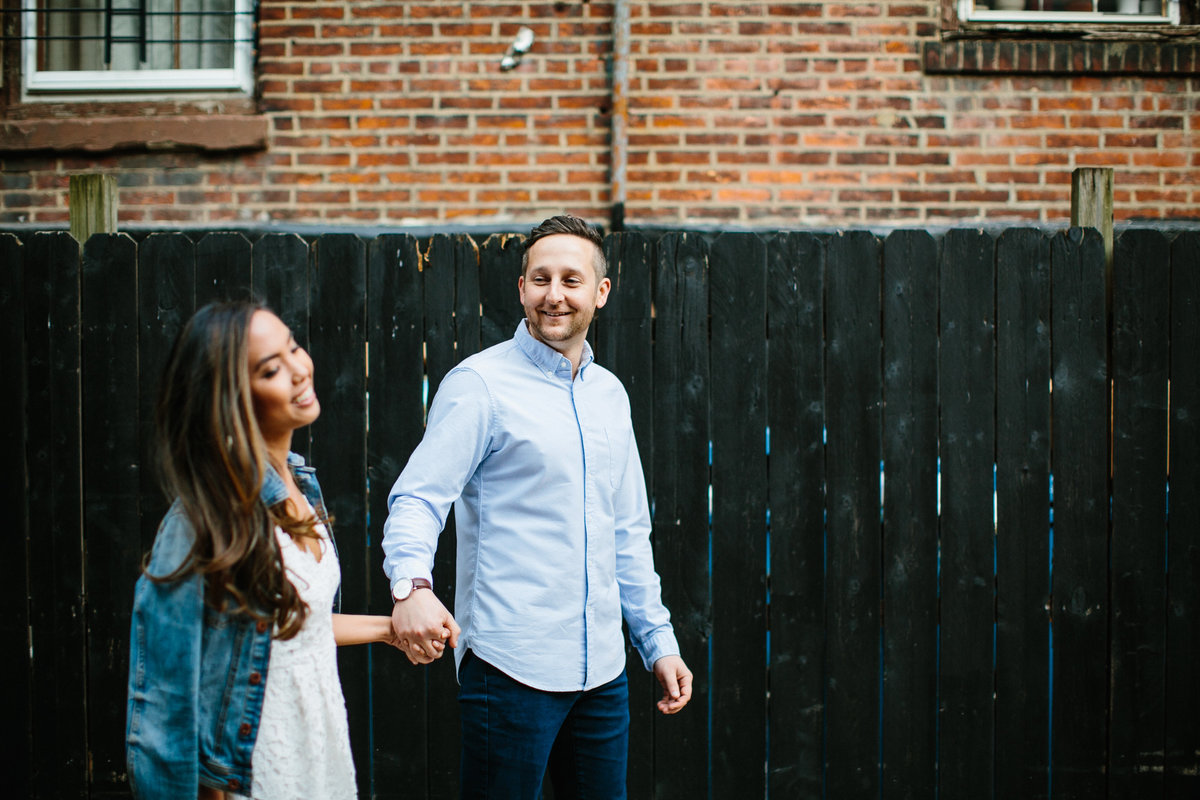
518,48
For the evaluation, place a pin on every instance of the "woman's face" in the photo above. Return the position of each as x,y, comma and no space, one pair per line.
280,378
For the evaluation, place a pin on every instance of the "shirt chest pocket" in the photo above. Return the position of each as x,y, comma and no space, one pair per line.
616,450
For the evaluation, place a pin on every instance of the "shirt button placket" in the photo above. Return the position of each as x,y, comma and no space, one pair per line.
587,533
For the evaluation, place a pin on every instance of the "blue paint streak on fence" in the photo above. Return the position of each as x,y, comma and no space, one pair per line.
1050,665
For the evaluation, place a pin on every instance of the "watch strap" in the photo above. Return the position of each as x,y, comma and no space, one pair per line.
417,583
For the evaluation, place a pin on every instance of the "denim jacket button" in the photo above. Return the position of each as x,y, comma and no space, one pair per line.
234,784
244,729
261,626
255,679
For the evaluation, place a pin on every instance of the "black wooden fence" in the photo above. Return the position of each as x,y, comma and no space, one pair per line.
911,496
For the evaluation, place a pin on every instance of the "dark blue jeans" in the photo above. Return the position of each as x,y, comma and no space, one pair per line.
511,734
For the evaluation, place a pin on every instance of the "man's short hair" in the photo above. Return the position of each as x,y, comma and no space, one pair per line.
572,226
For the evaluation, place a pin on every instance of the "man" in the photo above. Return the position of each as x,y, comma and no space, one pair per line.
532,443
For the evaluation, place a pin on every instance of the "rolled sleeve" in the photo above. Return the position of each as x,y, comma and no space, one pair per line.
660,645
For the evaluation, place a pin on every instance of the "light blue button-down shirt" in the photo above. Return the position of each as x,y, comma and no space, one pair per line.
552,518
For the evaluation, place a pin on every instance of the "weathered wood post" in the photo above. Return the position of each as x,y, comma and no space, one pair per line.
1092,207
1092,204
92,204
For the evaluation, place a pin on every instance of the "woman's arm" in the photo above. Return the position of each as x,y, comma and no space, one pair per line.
362,629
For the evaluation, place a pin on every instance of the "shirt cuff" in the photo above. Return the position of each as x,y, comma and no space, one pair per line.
659,645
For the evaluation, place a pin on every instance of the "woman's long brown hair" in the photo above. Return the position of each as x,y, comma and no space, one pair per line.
213,458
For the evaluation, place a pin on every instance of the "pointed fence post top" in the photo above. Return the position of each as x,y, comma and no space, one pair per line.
92,205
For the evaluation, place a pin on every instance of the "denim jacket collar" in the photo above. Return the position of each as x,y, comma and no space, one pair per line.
274,490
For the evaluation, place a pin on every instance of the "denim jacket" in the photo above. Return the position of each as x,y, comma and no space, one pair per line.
196,677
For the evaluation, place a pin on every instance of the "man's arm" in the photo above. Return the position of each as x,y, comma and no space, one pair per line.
456,440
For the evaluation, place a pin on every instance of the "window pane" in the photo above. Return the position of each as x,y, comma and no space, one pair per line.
164,35
1067,5
1152,8
70,37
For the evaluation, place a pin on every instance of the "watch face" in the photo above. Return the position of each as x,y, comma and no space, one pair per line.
403,589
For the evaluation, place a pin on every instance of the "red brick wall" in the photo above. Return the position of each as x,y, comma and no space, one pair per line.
788,114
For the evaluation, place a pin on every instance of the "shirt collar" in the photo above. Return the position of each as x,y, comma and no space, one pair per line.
546,357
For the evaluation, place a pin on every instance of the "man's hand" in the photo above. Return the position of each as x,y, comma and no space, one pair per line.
422,627
676,680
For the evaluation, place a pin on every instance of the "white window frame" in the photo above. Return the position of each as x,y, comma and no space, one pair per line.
238,78
968,13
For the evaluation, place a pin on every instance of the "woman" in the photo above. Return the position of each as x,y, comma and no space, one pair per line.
233,683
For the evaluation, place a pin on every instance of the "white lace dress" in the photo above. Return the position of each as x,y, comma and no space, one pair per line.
303,744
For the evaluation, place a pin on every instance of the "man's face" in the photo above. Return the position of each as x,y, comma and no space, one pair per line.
560,292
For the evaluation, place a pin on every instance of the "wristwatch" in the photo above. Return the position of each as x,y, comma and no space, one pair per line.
405,586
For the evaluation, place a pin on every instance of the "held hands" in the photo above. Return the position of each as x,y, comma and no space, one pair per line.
676,680
422,627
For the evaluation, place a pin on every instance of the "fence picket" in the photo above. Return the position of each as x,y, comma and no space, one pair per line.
679,480
14,581
737,270
624,344
449,257
910,515
166,298
400,760
279,276
1079,444
337,323
853,396
796,465
967,394
57,634
1182,750
224,267
112,550
499,268
467,279
1023,514
1137,582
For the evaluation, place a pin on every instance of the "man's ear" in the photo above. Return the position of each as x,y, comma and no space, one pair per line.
602,292
521,288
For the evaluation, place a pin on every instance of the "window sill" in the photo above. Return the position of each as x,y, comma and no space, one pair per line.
102,134
1058,57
